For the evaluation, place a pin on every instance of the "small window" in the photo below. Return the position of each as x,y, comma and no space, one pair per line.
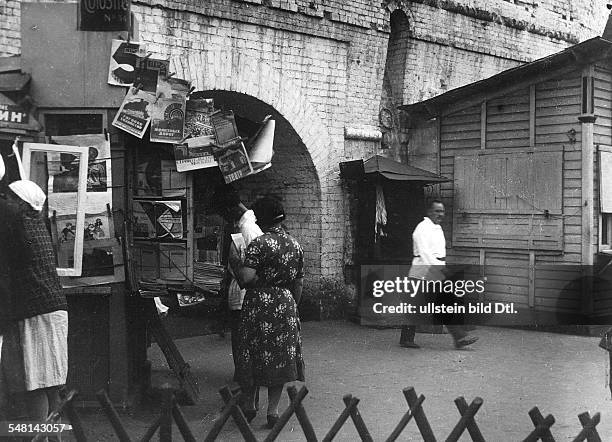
606,231
605,200
73,123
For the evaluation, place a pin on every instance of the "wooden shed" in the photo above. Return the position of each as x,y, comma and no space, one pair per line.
529,155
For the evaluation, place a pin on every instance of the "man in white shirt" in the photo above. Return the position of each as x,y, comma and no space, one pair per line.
429,263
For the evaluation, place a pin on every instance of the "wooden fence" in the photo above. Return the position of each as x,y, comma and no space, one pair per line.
171,415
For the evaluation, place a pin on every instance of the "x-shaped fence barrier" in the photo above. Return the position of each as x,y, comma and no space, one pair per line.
171,415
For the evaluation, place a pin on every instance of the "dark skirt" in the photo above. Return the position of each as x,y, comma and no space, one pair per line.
270,346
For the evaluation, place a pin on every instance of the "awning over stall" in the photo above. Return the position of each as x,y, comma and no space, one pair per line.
388,168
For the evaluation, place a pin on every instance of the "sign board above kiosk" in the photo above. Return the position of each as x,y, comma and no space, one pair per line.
104,15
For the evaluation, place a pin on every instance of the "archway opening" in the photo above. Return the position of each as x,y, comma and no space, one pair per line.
292,177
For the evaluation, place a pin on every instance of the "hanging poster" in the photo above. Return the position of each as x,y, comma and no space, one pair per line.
147,72
195,153
158,219
197,118
168,87
234,163
168,113
122,65
167,120
224,125
133,116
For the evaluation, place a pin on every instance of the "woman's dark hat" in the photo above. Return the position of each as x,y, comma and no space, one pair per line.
268,211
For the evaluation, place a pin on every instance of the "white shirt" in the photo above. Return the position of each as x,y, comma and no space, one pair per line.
249,230
428,244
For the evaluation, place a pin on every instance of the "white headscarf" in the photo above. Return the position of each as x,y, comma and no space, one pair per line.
30,193
2,168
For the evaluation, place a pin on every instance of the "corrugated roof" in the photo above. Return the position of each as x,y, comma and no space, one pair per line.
594,49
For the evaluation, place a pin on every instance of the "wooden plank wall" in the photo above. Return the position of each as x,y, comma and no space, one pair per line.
602,137
515,123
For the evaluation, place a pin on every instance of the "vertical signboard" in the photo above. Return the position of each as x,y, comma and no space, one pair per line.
104,15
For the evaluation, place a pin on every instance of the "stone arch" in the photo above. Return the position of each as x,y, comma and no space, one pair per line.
237,72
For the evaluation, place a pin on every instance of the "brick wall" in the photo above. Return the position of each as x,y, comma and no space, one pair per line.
320,65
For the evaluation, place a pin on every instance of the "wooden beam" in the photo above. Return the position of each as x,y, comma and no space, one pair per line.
532,115
587,202
482,262
483,125
531,293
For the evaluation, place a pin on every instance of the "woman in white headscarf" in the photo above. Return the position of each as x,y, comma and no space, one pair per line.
37,362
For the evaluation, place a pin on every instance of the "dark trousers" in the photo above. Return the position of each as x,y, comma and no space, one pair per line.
452,322
407,335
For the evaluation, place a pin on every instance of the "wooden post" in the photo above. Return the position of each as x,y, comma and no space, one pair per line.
483,125
482,260
360,425
300,413
112,416
419,415
165,427
589,432
532,115
538,419
587,203
531,273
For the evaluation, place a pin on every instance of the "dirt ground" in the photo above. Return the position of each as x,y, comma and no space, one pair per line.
512,370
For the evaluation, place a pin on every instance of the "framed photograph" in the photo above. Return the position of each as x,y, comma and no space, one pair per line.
102,264
35,165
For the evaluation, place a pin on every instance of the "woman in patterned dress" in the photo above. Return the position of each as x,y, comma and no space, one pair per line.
270,350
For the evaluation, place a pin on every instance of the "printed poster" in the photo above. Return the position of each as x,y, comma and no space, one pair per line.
147,72
195,153
234,163
224,125
197,118
134,114
122,65
167,120
168,113
172,87
158,219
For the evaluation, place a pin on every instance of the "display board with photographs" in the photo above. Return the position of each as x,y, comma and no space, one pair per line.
79,206
41,165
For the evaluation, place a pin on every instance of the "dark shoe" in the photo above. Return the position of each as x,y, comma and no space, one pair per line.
409,345
468,340
272,420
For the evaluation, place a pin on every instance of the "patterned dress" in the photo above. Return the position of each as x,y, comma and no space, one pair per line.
270,347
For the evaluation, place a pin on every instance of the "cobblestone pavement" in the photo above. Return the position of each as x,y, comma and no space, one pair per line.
512,370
